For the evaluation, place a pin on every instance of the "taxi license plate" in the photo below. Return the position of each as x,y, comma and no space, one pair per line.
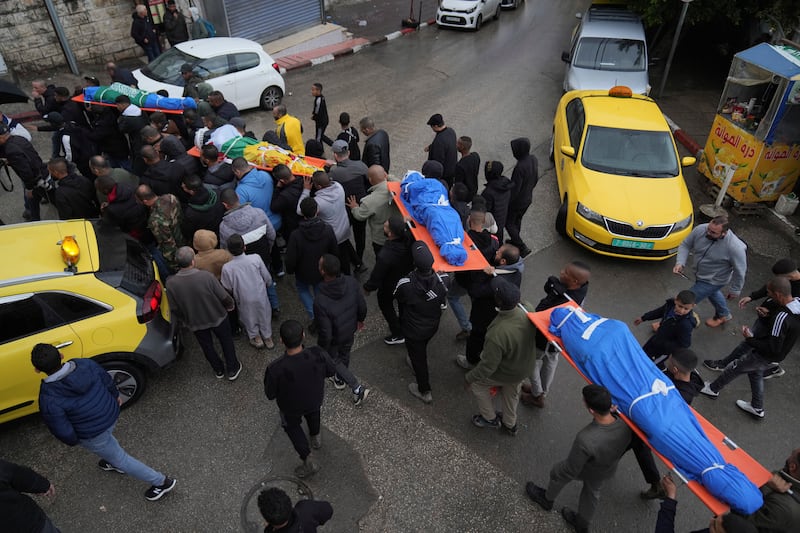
639,245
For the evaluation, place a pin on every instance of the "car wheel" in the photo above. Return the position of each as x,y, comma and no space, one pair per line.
129,379
478,22
561,218
497,13
271,97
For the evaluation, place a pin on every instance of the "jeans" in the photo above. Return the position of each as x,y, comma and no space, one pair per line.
544,371
107,447
164,271
418,353
454,296
340,357
272,294
206,342
305,290
703,290
292,425
509,393
152,50
750,363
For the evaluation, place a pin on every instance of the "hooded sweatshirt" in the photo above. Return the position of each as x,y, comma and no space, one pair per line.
332,209
525,175
311,240
79,401
209,257
339,306
248,221
421,298
775,344
497,193
204,211
720,262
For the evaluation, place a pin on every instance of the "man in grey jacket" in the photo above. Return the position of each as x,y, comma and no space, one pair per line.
719,259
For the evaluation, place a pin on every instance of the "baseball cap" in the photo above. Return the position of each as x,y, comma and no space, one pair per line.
340,147
186,67
436,120
506,294
423,259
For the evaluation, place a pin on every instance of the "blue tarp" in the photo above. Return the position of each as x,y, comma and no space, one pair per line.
427,201
142,99
608,354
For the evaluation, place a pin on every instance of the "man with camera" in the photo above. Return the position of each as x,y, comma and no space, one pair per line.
25,160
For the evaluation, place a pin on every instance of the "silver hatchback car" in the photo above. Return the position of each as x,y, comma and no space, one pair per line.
608,48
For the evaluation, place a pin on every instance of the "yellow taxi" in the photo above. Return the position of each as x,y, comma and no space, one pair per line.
619,175
90,291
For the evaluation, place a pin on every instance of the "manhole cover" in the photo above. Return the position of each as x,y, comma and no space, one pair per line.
252,522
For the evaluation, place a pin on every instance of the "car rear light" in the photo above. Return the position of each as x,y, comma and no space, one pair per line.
151,303
277,67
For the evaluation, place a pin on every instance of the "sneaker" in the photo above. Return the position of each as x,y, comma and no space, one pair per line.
269,343
774,372
707,390
307,469
337,382
108,467
461,360
538,494
530,400
524,252
315,441
391,339
426,397
695,319
655,492
745,406
718,321
713,364
280,273
156,492
481,422
462,335
574,519
512,431
360,395
256,342
233,374
219,374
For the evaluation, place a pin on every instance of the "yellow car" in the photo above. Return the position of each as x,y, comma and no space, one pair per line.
90,291
619,175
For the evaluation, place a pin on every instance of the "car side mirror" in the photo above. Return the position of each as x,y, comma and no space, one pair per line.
565,57
688,161
568,151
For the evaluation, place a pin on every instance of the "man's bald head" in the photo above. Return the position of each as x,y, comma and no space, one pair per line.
376,174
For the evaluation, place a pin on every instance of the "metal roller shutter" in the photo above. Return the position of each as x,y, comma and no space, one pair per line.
267,20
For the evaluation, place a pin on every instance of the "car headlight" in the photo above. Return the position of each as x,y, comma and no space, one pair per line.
683,224
471,10
592,216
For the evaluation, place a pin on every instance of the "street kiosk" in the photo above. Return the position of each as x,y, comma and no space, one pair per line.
753,150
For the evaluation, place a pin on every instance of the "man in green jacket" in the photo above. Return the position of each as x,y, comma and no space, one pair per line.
507,358
376,207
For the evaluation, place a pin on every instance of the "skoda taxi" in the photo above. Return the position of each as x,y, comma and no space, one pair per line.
90,291
619,175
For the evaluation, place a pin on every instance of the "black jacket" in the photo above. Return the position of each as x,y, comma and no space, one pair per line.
350,136
24,159
776,343
421,298
164,178
226,110
376,150
443,150
80,145
320,117
106,135
141,29
124,211
311,240
306,516
353,177
467,170
203,211
219,175
46,103
20,512
297,382
339,306
498,197
284,203
689,389
75,197
525,175
175,27
393,262
556,294
673,333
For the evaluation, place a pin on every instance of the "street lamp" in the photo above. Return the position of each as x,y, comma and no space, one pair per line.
674,45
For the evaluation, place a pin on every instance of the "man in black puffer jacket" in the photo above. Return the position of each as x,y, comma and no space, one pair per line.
421,297
524,178
25,160
19,511
79,403
204,209
75,196
339,311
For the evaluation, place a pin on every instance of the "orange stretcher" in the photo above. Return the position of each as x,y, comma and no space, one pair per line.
475,260
751,468
79,98
317,162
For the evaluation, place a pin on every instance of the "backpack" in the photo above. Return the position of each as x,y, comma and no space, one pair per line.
212,32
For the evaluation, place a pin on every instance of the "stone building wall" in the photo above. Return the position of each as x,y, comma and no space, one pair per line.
97,31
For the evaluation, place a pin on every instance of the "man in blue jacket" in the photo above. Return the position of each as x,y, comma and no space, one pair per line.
79,402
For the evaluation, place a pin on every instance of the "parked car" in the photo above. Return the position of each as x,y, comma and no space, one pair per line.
511,4
619,175
90,291
239,68
608,48
466,13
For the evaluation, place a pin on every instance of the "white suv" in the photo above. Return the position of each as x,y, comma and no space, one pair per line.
608,48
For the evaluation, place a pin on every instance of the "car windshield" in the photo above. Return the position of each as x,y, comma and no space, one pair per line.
597,53
649,154
166,68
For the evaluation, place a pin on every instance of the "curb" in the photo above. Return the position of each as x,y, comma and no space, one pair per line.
684,138
355,48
